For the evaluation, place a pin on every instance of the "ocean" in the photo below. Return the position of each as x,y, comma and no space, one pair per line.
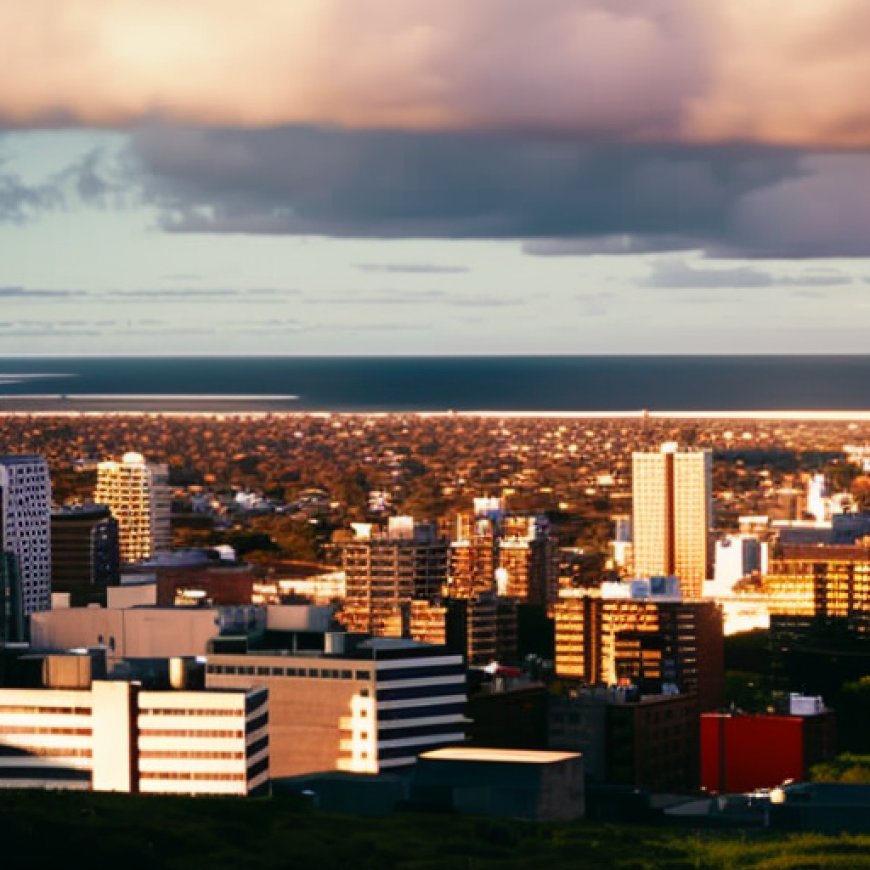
578,384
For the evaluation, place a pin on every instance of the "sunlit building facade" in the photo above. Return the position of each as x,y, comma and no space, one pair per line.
828,582
656,645
672,515
387,568
114,737
367,711
138,495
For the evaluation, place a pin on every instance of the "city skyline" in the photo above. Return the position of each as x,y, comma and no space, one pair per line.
557,177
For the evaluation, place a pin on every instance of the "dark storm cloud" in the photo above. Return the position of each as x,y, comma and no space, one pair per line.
559,195
405,185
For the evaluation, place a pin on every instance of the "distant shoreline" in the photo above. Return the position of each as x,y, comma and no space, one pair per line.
260,406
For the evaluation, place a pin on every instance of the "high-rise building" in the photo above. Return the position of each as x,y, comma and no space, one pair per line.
138,495
672,514
658,643
25,527
528,560
386,569
85,558
472,556
465,625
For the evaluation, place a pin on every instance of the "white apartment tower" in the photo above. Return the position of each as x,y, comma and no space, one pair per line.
138,495
25,527
672,515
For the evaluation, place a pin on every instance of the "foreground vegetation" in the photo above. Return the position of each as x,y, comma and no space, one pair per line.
42,829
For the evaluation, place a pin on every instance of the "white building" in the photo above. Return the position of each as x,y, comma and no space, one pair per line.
672,515
369,710
128,633
25,526
138,495
114,737
736,556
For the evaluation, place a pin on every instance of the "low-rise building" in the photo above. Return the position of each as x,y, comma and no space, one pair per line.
512,783
370,709
114,737
741,753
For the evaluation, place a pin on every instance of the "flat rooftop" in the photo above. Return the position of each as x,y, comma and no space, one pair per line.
503,756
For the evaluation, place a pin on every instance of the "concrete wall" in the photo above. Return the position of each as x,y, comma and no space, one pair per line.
135,633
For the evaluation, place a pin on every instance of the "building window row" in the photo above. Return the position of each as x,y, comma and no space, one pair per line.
25,730
185,711
39,711
193,753
264,671
45,751
169,732
194,777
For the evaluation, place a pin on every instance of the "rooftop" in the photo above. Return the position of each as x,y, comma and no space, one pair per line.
503,756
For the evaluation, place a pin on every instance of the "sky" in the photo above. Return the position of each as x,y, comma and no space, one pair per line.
451,177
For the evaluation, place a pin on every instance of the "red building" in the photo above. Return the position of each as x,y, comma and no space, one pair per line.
741,753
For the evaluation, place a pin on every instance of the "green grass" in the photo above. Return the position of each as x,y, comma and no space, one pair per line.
96,830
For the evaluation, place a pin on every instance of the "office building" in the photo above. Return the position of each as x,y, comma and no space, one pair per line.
368,709
386,569
823,583
528,560
85,554
465,625
672,515
472,556
625,738
115,737
25,527
654,641
138,495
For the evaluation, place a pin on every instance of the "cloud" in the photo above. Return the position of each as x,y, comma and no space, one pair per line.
667,70
676,274
412,268
20,201
609,245
425,297
405,185
193,294
816,278
387,297
560,197
96,178
26,293
824,209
